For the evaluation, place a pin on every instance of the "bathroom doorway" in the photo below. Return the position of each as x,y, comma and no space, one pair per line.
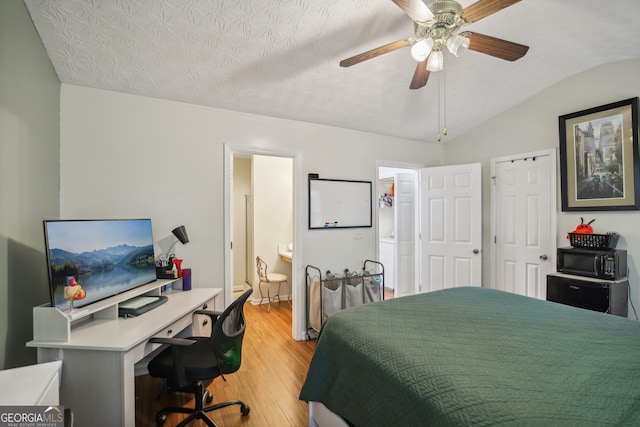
262,198
260,220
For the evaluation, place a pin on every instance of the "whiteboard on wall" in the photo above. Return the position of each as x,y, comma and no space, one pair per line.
336,203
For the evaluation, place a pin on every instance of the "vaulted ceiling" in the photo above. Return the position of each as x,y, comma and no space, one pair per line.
280,58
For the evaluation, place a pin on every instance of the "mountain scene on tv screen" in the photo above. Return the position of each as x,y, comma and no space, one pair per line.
122,257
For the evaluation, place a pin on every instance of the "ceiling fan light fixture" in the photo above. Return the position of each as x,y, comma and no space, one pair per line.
437,23
435,61
421,49
457,45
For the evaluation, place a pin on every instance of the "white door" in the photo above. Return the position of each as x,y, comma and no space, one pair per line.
387,256
405,237
524,239
451,227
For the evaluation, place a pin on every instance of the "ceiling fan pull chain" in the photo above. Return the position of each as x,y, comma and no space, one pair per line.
439,136
444,103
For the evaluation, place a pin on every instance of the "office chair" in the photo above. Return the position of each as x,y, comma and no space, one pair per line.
187,363
269,278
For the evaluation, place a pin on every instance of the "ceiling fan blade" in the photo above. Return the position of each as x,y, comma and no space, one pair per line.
493,46
483,8
416,9
420,76
375,52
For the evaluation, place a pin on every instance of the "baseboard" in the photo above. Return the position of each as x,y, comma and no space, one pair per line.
285,298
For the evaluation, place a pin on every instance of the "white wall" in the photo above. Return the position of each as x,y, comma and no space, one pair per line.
533,125
132,156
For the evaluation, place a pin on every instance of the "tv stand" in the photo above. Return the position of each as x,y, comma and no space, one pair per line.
99,350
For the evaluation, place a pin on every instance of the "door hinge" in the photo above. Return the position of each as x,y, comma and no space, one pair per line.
495,240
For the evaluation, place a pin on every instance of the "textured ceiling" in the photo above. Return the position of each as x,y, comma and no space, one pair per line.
280,57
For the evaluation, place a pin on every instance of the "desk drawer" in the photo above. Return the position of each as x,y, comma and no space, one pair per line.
180,325
201,322
175,328
147,351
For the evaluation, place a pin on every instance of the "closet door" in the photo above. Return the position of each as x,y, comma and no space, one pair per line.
525,250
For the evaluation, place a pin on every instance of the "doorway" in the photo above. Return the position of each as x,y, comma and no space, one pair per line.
263,219
436,235
260,220
398,229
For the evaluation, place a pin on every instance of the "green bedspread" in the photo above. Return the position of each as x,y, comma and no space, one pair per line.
477,357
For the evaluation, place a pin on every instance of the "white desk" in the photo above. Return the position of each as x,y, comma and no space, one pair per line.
98,358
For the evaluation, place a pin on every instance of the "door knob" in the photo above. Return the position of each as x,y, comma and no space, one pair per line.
544,257
475,251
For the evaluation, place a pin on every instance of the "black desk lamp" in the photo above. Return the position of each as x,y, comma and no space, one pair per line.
181,234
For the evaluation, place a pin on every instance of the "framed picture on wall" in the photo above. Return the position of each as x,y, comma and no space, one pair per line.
599,158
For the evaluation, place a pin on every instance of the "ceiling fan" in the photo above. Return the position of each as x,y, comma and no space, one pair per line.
437,25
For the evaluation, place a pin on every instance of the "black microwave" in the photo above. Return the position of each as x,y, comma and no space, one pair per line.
609,264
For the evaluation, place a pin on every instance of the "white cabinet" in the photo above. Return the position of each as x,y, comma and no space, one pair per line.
386,258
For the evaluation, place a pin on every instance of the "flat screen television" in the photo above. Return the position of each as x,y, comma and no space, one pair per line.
102,257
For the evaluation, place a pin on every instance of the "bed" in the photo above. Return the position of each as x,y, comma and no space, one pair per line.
475,357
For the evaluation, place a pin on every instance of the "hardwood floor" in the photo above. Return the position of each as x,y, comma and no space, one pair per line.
273,369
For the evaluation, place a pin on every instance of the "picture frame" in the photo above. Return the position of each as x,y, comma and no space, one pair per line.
599,167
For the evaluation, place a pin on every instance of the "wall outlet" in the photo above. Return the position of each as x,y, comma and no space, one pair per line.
357,235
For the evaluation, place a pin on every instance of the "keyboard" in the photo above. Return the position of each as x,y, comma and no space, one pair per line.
138,305
137,302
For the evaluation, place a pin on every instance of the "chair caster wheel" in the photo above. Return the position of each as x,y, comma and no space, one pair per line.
208,397
161,418
244,410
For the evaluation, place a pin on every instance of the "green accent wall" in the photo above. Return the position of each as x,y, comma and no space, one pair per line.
29,176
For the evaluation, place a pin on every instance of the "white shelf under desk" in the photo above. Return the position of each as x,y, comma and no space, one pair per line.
99,351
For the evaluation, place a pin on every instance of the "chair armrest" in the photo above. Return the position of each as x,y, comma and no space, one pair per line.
177,345
182,342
